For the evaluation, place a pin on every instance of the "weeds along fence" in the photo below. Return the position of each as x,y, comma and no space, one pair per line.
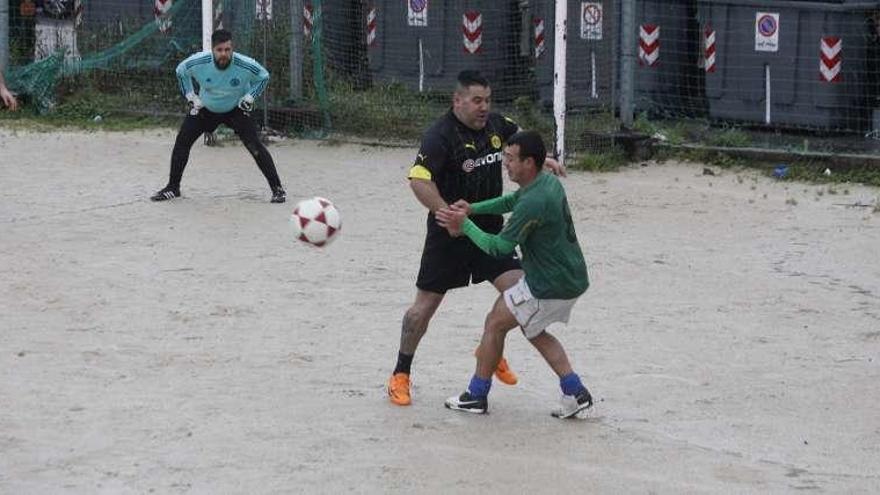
784,75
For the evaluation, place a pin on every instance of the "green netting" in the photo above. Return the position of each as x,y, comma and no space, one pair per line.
39,79
318,61
127,63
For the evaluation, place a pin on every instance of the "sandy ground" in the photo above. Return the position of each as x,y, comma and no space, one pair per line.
731,334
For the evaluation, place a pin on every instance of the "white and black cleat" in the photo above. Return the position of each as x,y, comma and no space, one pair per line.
571,405
165,194
278,195
467,403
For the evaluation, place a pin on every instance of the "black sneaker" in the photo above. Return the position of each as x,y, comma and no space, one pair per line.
166,194
570,405
467,403
278,195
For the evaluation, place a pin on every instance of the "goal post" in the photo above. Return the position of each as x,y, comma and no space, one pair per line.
559,77
207,23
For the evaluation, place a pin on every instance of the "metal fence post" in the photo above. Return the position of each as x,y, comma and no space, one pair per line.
627,62
4,34
296,50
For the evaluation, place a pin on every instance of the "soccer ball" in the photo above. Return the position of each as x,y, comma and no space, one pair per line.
315,221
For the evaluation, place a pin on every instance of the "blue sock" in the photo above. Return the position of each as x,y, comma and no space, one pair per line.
571,384
479,387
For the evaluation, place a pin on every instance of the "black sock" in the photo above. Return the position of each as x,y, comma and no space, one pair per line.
404,363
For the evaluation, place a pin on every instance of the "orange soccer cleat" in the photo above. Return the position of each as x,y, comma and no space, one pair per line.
503,372
398,389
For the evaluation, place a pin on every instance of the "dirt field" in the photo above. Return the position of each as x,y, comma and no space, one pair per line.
731,334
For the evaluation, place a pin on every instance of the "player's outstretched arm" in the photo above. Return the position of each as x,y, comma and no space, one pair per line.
455,221
451,219
427,193
494,206
491,244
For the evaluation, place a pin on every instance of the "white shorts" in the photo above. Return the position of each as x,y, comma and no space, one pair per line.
535,315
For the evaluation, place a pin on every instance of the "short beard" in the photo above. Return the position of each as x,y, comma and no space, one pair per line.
221,67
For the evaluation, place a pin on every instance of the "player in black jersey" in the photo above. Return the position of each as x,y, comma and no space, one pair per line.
459,158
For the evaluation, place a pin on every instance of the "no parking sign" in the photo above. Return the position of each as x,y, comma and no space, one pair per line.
417,12
766,31
591,20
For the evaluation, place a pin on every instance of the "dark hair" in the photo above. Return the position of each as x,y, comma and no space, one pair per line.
220,36
468,78
530,145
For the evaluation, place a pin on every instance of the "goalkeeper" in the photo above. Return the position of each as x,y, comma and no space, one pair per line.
228,85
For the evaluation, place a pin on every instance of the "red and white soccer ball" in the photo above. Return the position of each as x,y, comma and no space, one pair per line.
315,221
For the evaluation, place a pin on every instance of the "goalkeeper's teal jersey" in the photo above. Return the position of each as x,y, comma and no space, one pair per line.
221,90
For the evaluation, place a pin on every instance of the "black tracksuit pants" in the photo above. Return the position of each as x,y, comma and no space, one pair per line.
206,121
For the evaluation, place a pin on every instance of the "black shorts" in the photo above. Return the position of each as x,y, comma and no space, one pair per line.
448,263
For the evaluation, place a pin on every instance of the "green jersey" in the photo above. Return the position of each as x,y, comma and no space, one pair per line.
541,225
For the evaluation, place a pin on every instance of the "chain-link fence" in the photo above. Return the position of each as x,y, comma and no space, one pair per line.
794,75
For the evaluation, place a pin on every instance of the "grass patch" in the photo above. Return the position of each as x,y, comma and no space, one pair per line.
95,102
672,132
388,111
110,121
708,157
729,138
600,162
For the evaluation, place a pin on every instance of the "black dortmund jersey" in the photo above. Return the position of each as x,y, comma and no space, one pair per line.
466,164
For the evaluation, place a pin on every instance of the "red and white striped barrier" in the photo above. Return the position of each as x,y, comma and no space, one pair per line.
307,20
831,63
709,49
649,44
160,12
472,29
539,36
371,27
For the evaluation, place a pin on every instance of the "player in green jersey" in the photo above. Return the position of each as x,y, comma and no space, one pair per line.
555,273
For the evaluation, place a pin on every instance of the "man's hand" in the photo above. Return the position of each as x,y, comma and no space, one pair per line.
195,103
8,98
246,103
451,219
463,206
554,166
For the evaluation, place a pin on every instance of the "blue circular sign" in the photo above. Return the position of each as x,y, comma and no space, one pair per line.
767,25
418,5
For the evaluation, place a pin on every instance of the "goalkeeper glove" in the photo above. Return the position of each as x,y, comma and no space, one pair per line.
195,103
246,103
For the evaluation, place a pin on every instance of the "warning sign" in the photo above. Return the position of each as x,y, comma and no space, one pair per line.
417,12
591,21
766,32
